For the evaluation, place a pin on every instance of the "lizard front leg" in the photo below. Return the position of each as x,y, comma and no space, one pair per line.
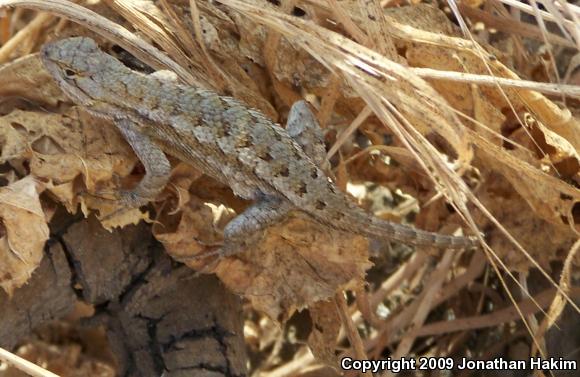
157,167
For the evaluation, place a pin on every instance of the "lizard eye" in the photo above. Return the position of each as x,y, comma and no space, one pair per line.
69,73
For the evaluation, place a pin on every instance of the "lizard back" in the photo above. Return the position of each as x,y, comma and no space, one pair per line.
257,157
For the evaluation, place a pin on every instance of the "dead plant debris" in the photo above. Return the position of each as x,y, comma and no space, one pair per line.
468,126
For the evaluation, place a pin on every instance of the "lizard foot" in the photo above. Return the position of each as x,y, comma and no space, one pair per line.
124,198
132,199
219,253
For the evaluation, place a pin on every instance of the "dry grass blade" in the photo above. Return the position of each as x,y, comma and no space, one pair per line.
404,272
217,75
108,29
33,27
548,16
378,31
544,31
25,365
555,89
352,28
559,302
351,330
512,26
154,24
433,285
344,135
495,318
554,8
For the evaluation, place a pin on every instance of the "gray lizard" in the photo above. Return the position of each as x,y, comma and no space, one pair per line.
239,146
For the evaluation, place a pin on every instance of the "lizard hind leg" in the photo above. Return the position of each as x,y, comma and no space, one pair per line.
303,127
260,215
265,212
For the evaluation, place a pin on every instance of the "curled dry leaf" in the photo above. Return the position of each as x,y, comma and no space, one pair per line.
191,231
294,264
186,226
25,78
24,233
70,144
182,178
549,197
553,149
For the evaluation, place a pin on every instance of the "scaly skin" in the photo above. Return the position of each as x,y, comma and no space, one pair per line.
227,140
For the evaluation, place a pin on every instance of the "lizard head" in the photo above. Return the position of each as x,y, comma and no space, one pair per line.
78,65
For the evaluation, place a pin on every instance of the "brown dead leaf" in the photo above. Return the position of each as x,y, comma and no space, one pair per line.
544,240
326,324
65,193
24,233
468,100
293,265
26,78
190,231
553,149
74,143
64,147
549,197
112,217
182,177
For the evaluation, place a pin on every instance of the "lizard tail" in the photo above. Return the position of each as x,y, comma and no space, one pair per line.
417,237
356,220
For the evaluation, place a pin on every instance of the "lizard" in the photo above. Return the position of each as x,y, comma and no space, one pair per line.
277,168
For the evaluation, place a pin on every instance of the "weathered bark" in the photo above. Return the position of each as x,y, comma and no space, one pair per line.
160,318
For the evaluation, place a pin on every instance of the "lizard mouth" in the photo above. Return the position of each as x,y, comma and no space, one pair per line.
49,57
69,88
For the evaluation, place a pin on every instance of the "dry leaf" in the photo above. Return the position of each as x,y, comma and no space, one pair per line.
325,327
549,197
293,265
191,231
26,78
553,149
544,240
24,233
